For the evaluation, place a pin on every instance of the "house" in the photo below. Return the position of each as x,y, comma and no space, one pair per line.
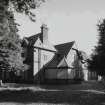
65,65
50,62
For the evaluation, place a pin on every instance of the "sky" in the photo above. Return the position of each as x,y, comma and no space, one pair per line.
67,20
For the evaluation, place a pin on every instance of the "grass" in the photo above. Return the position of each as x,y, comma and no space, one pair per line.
50,95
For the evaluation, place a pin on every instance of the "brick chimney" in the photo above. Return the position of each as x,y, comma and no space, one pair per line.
44,31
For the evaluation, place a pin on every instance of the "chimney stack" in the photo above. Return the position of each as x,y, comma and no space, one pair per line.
44,31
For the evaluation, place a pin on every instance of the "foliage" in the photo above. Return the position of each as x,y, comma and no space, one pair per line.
22,6
10,43
97,61
10,48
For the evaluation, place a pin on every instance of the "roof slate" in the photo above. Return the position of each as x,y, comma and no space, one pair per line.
32,39
63,50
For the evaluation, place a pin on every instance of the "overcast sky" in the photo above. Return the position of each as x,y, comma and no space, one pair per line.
67,20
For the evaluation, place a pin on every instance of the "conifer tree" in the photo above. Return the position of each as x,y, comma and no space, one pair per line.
97,62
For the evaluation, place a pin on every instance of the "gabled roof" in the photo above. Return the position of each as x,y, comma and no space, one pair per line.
62,52
64,48
63,63
32,39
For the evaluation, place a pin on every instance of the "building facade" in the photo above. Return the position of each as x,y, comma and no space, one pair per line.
52,63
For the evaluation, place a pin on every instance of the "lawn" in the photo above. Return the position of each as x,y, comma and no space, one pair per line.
75,94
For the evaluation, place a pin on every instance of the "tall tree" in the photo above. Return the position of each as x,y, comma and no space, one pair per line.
10,48
10,43
97,62
21,6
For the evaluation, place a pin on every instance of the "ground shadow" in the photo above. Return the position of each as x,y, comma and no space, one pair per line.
75,85
58,97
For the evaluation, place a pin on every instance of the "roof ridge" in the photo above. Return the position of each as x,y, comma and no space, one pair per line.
34,35
32,39
65,43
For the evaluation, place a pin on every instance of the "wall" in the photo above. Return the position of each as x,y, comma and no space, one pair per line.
51,73
62,74
70,60
41,57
